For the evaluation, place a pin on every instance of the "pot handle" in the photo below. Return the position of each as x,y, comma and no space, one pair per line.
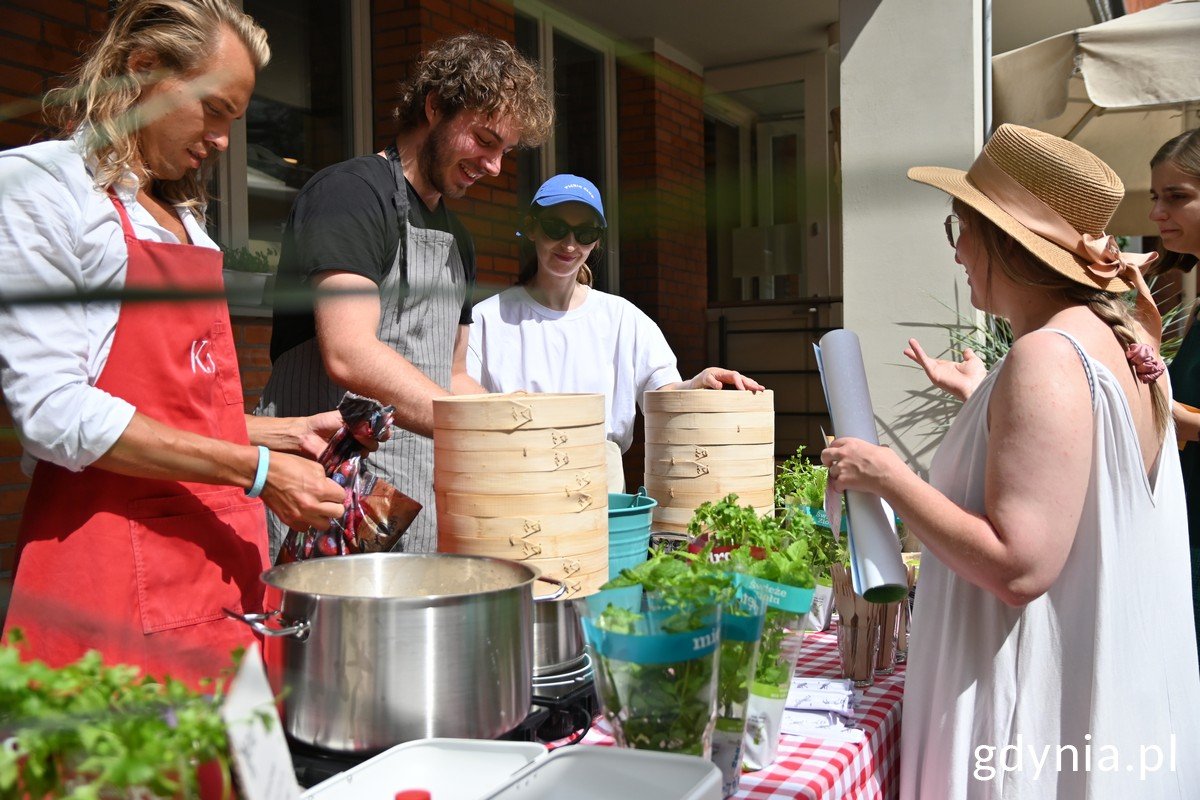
562,589
257,622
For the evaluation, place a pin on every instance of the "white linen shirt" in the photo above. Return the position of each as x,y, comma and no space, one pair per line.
607,346
59,234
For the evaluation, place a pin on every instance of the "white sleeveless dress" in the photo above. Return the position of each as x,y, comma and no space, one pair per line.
1090,691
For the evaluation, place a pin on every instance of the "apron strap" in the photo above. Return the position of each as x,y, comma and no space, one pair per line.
400,202
126,225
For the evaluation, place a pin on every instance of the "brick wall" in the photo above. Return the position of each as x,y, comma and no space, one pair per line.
661,173
252,336
664,261
40,40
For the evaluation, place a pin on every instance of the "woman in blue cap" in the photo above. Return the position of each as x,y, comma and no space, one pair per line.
553,332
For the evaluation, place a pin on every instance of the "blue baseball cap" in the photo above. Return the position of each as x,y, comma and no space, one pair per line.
570,189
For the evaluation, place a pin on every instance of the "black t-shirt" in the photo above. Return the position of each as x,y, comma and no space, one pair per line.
344,219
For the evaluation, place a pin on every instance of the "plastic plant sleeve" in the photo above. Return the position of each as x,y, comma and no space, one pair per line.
741,631
782,637
656,666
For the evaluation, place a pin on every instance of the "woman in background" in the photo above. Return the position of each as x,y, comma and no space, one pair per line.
553,332
1175,192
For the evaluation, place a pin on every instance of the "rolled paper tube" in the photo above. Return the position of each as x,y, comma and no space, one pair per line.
875,564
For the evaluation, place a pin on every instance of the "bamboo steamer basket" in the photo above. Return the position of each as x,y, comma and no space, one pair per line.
703,445
518,539
566,480
709,436
714,420
526,460
698,468
690,501
709,486
675,519
580,572
514,505
517,411
561,526
702,401
523,477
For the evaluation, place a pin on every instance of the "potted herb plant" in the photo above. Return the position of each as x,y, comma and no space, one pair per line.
88,731
775,562
800,501
247,273
654,633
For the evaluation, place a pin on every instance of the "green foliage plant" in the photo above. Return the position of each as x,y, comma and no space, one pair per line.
799,493
243,259
88,731
663,706
763,548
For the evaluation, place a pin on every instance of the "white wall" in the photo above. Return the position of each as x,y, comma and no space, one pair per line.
911,86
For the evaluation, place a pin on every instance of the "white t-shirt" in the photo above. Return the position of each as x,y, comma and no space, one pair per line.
606,345
59,234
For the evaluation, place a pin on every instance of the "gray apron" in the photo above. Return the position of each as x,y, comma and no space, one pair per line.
420,299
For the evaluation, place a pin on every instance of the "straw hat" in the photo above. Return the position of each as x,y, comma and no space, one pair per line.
1027,178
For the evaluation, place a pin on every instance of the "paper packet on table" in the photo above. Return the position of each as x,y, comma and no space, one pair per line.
821,725
376,513
821,694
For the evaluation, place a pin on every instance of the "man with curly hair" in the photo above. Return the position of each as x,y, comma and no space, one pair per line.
392,268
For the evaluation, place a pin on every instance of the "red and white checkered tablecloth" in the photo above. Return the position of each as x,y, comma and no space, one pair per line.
819,769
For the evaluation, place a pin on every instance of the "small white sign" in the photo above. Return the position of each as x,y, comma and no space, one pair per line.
256,741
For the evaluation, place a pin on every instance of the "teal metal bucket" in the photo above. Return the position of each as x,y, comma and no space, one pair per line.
628,530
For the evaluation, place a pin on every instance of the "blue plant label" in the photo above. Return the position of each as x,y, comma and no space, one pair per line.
793,599
663,648
821,519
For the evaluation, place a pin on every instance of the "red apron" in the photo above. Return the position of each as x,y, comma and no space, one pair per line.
140,569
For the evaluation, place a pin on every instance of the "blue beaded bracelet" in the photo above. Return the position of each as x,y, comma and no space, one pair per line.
260,476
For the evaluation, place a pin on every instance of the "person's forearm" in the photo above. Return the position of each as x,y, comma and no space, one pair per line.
1187,422
463,383
373,369
149,449
282,434
966,542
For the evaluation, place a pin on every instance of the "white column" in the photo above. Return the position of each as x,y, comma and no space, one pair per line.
911,94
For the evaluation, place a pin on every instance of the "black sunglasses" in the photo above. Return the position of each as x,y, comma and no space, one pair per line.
556,229
953,230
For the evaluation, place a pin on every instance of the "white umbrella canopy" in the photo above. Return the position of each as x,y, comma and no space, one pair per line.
1120,88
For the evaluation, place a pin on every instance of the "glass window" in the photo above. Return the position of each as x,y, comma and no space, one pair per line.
579,132
529,166
299,118
579,88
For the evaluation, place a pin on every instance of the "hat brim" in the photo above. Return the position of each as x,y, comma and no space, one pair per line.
551,200
955,183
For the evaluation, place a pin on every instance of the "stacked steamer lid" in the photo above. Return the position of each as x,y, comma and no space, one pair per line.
702,445
522,477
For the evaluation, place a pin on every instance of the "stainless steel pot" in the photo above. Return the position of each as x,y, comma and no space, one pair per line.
557,638
377,649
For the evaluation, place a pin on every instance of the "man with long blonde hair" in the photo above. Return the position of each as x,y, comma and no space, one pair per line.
142,521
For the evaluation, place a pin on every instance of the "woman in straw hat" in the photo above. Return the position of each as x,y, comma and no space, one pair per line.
1051,655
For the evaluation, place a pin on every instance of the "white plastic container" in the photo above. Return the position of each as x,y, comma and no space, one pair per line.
449,769
602,773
